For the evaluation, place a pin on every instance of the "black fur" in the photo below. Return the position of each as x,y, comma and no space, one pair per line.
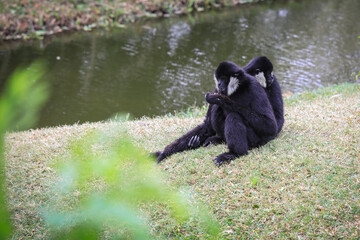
242,118
202,132
272,89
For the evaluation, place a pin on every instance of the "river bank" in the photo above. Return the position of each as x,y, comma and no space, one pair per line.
23,19
304,184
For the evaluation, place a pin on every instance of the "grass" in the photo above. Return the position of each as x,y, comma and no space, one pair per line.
304,184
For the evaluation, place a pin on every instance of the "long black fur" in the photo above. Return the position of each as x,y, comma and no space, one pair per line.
272,89
243,120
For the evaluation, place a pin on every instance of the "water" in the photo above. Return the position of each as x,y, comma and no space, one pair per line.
163,66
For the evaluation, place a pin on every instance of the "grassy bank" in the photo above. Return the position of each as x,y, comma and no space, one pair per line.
305,184
21,19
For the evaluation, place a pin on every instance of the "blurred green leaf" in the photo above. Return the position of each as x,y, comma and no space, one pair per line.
20,103
22,97
114,178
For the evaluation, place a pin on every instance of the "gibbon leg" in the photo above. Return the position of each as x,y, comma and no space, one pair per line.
236,139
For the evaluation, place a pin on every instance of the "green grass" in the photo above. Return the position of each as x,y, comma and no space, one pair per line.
303,185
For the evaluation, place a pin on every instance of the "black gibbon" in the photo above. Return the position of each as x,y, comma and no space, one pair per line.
240,114
262,69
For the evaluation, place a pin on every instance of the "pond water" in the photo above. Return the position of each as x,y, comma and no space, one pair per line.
167,65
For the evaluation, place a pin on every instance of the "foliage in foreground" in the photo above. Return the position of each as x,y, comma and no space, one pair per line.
110,183
20,102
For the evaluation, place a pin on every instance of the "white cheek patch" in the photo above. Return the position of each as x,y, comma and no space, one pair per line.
216,82
261,79
233,85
